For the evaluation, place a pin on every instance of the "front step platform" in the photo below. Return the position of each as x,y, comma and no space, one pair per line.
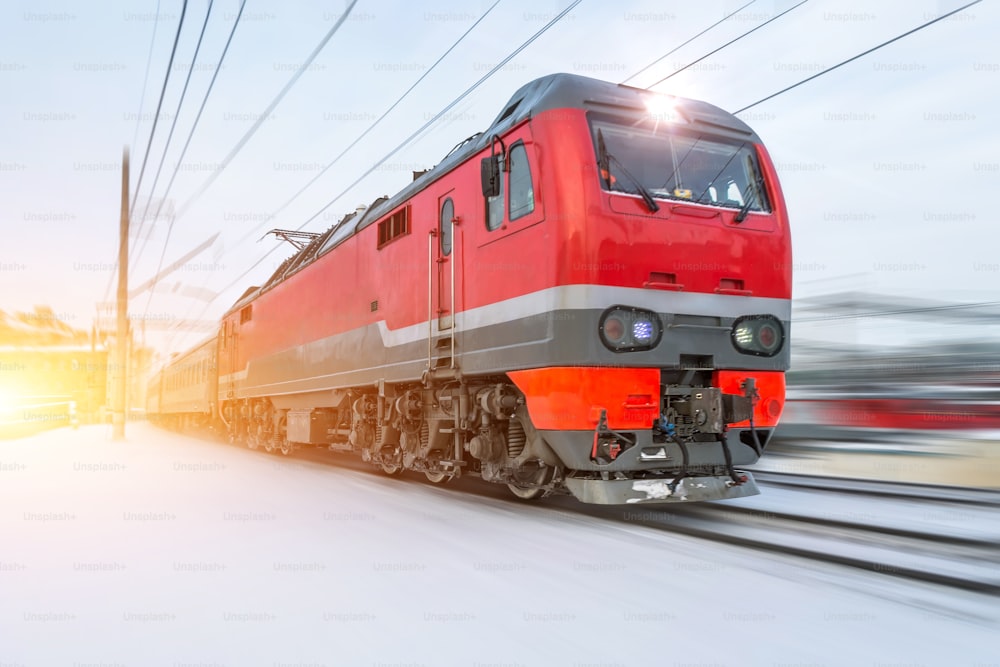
646,491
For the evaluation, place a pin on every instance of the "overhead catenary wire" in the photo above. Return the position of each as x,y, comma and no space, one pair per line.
729,43
152,132
246,137
445,110
860,55
410,138
266,113
170,134
928,23
194,126
404,143
145,78
681,46
156,117
371,127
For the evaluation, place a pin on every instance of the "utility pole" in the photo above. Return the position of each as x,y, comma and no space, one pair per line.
121,339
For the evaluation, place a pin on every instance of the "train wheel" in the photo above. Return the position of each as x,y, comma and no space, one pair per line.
391,460
275,439
528,478
437,477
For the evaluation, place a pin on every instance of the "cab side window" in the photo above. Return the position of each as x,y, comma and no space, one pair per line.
522,194
494,206
515,177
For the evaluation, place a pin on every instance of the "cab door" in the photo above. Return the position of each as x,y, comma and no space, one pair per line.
445,260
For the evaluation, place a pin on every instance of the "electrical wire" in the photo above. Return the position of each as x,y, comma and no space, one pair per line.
860,55
145,78
159,105
901,36
730,42
406,141
194,126
149,144
266,113
675,49
170,135
371,127
436,117
246,137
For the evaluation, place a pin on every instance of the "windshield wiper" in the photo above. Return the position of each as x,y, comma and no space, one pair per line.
604,160
758,188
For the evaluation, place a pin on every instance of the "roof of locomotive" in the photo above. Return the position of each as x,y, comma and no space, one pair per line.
555,91
566,91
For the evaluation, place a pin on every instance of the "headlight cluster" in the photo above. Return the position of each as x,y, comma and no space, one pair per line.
761,335
625,329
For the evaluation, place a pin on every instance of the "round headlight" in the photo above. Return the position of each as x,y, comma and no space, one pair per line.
614,329
761,335
767,336
625,329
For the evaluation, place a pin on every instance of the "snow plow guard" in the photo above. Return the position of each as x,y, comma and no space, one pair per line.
648,491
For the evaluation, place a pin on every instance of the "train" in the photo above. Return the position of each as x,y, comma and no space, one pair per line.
592,297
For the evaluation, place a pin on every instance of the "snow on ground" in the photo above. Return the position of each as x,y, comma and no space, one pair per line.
166,550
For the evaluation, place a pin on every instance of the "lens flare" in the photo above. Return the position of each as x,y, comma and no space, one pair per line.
663,108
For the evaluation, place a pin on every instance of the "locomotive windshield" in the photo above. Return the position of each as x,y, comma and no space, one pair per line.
668,162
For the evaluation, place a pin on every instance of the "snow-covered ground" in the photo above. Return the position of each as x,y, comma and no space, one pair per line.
166,550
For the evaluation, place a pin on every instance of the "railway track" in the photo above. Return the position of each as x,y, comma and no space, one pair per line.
966,563
941,535
951,539
955,494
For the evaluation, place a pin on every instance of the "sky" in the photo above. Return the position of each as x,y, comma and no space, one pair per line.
889,164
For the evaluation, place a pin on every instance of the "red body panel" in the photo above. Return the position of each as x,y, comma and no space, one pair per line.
611,238
770,394
573,398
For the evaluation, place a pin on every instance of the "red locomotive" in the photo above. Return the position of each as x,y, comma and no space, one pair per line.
592,296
